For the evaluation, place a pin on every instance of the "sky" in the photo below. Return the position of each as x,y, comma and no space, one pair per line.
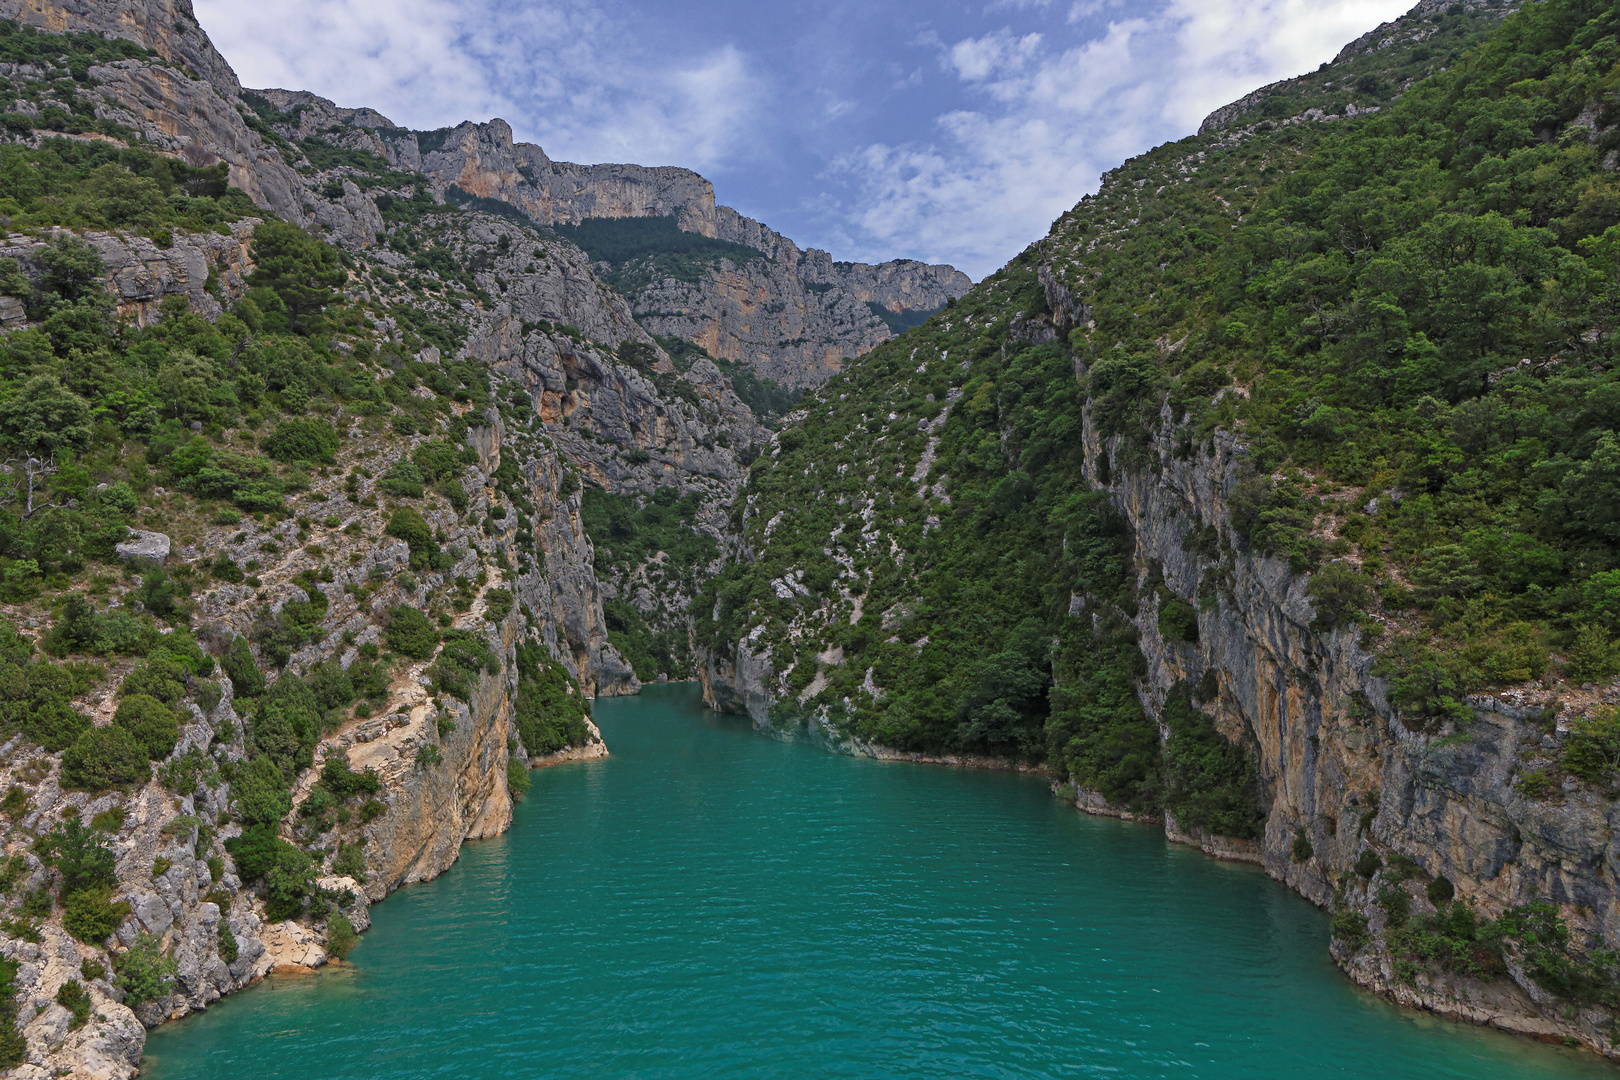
874,129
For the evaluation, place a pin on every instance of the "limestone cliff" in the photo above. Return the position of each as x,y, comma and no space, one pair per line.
208,269
793,316
186,100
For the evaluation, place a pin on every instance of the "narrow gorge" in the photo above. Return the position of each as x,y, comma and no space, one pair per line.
1269,499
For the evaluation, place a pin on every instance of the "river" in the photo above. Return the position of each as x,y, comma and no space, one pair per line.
711,903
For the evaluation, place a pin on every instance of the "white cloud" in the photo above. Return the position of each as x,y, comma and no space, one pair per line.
1082,10
976,59
1050,121
562,72
1035,120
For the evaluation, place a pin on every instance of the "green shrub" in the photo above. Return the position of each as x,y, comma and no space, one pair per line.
287,883
13,1047
80,854
144,972
261,793
1301,849
228,949
246,678
105,758
150,723
73,997
517,778
1440,891
37,903
410,633
1397,904
1592,751
91,916
55,724
408,525
1178,620
1339,593
343,782
351,861
284,871
340,937
461,660
1368,863
428,756
302,440
549,712
1593,656
160,677
1350,928
402,480
109,821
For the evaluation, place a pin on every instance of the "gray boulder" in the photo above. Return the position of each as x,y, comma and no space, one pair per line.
147,547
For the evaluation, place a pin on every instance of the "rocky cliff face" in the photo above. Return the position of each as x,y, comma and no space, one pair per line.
1340,768
1377,814
442,762
793,316
208,269
186,101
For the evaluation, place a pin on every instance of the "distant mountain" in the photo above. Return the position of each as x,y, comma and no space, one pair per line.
792,315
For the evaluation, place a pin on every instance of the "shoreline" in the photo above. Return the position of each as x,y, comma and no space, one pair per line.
1498,1005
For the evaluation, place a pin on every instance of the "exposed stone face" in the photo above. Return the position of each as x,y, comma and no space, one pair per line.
793,316
140,275
168,27
144,547
1330,748
188,102
760,312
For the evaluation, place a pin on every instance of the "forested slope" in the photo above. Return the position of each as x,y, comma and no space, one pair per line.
1271,494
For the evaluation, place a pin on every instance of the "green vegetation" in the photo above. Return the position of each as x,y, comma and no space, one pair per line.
150,723
340,937
517,778
13,1047
72,996
460,662
89,874
144,972
104,758
900,321
101,186
549,711
768,399
1378,299
410,633
1374,287
644,249
658,535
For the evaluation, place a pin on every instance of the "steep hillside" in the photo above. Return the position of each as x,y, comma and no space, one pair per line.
1270,497
293,554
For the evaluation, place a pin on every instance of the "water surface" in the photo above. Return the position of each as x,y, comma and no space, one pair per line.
710,903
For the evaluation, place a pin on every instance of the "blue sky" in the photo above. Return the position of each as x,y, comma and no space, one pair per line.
943,131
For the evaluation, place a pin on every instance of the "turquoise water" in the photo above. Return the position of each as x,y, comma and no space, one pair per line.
709,903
